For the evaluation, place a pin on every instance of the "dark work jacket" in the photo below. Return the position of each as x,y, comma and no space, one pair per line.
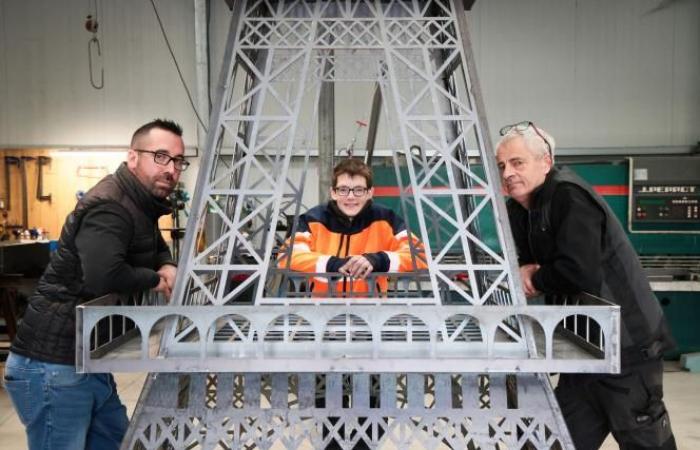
110,243
572,233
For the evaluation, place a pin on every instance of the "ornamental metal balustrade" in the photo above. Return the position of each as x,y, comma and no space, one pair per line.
355,337
239,311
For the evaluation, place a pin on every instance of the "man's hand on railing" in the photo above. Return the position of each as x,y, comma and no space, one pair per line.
526,273
167,280
163,288
168,271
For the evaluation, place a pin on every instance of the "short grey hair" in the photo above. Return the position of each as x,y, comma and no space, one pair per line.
533,141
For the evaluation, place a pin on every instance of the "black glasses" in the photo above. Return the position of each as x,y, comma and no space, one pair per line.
162,158
522,126
344,191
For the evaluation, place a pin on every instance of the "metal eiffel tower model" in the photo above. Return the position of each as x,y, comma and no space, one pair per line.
450,357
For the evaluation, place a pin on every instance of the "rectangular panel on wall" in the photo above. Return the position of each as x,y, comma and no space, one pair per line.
665,194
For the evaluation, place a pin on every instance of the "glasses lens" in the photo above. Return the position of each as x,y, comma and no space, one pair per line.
181,164
522,126
161,158
504,130
359,191
343,190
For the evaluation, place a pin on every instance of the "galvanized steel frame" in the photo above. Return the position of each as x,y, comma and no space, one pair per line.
279,53
283,50
355,338
388,411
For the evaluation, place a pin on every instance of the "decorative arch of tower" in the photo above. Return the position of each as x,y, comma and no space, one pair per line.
246,356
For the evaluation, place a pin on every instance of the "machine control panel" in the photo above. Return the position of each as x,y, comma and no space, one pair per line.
666,203
665,193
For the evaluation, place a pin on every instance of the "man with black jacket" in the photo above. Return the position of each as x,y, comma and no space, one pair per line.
569,241
110,243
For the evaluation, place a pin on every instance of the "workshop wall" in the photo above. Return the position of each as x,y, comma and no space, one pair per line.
46,99
67,174
596,73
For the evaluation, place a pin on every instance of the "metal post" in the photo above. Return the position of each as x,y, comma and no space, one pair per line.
326,135
201,56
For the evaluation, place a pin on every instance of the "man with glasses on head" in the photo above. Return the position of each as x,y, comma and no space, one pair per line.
351,235
569,241
110,243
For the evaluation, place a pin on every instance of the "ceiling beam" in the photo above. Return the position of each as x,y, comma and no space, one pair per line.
467,4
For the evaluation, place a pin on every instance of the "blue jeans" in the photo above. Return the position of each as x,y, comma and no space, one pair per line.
62,409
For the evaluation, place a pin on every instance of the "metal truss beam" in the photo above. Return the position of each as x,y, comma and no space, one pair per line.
239,310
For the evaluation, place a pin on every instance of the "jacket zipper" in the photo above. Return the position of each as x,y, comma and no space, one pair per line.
347,253
155,245
337,254
347,250
529,236
340,245
347,246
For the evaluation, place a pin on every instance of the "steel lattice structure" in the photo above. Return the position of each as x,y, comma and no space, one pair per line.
448,334
305,411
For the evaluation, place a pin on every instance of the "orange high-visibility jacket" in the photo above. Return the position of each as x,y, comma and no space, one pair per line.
325,239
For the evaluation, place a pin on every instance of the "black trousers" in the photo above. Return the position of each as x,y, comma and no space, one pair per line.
629,405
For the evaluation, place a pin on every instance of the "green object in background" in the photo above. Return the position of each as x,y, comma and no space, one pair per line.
440,231
610,179
682,311
681,308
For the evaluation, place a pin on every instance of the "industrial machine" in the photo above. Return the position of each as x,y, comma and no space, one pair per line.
657,200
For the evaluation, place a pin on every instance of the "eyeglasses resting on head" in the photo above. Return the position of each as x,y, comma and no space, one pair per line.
522,126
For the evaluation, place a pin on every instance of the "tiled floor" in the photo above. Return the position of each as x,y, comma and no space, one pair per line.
682,395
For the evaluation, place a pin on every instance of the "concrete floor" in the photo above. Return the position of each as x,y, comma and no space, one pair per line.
682,396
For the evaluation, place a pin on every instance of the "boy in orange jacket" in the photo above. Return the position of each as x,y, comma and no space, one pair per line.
352,236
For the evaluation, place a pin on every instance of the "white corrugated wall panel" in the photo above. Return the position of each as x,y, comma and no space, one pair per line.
596,73
47,98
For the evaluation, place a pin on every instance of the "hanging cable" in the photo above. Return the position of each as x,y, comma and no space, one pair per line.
208,53
91,25
177,66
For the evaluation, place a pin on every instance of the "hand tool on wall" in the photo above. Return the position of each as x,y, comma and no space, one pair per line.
23,173
42,161
9,161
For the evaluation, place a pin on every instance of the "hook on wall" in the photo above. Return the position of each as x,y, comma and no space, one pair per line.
94,47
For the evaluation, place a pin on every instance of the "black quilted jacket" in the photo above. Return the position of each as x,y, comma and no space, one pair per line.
110,243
